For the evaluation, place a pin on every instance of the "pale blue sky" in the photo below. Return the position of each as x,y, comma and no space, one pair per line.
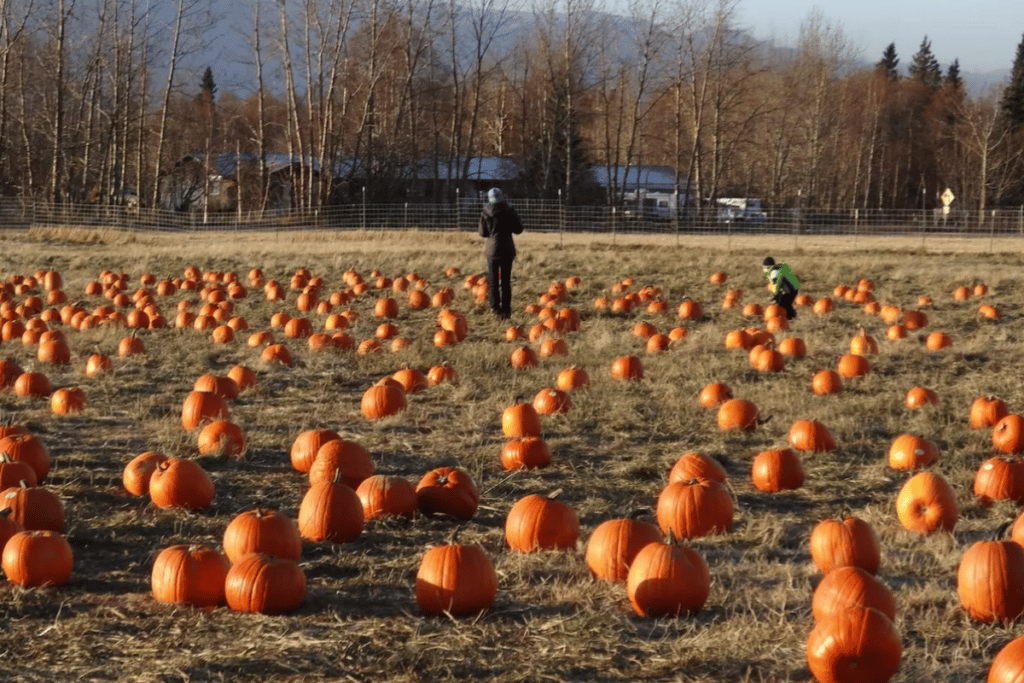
982,34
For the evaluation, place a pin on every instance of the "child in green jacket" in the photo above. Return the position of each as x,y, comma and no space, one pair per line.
784,284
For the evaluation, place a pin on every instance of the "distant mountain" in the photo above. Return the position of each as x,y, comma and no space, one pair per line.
978,84
225,47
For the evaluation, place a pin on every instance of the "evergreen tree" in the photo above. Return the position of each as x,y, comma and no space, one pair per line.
546,163
207,88
889,62
1012,105
953,79
924,67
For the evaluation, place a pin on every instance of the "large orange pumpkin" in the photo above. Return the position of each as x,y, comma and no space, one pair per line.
1000,478
181,484
826,382
537,522
811,435
528,452
1008,664
266,585
627,368
344,458
614,544
714,394
384,495
37,558
667,579
911,452
262,531
383,399
777,470
1008,434
859,640
189,574
330,511
695,508
201,407
926,504
455,579
739,414
845,542
519,420
987,411
851,586
990,581
695,465
448,490
307,444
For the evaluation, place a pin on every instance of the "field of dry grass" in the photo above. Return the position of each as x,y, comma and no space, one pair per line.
611,454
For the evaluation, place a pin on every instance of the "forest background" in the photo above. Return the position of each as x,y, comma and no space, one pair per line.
99,99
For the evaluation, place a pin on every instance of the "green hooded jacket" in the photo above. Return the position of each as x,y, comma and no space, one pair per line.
782,278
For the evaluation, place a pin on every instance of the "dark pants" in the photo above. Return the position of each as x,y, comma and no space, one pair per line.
785,299
499,274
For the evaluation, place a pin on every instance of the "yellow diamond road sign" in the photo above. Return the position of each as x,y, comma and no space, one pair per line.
947,197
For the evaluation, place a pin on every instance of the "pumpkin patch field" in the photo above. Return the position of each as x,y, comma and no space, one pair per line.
304,457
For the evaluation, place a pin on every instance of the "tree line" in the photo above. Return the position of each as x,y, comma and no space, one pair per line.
96,106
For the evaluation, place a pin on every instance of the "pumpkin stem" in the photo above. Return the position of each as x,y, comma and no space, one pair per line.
1001,531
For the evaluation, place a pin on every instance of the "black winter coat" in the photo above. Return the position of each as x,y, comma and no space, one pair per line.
498,222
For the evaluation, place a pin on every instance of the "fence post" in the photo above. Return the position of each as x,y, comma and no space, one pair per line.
561,219
362,218
992,232
405,217
458,212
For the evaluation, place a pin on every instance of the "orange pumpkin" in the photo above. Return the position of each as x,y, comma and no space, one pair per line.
383,399
826,382
777,470
911,452
852,365
845,542
858,638
926,504
667,579
737,414
1008,434
448,490
384,495
918,397
614,544
811,435
695,508
851,586
455,579
537,522
987,411
695,465
627,368
989,581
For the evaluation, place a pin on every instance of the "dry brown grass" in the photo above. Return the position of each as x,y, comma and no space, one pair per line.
612,452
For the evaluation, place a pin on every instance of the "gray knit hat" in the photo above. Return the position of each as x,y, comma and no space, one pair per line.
494,195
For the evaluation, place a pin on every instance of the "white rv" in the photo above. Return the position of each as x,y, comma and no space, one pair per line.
741,210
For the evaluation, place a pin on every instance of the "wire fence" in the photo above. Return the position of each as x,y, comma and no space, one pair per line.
537,215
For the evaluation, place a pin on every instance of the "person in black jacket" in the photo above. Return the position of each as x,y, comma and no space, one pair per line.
498,222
